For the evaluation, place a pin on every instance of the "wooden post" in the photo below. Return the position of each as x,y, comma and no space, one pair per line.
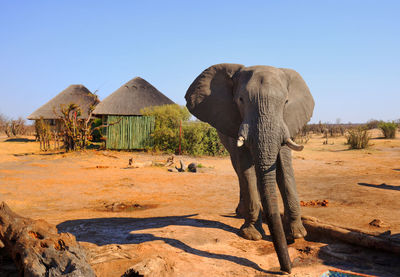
180,136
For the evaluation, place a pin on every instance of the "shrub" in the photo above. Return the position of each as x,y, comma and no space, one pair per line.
166,129
198,138
358,138
388,129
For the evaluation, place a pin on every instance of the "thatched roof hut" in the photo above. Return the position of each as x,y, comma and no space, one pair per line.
76,94
127,127
130,98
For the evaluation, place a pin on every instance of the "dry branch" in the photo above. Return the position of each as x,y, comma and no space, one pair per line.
38,249
352,236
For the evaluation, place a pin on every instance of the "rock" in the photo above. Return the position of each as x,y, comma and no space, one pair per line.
149,267
37,248
173,170
170,160
378,223
192,167
182,167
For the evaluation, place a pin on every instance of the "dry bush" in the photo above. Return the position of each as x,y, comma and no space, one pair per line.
373,124
304,135
358,138
76,130
43,134
336,130
3,123
13,127
316,128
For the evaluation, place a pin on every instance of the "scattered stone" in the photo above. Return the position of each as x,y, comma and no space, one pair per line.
306,250
314,203
121,207
170,161
192,167
102,166
156,266
130,161
378,223
37,248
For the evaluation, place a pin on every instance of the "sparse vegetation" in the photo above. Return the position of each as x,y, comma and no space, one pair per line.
304,135
3,121
14,127
358,138
388,129
373,124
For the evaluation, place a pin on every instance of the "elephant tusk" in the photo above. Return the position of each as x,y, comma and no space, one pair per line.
294,146
240,141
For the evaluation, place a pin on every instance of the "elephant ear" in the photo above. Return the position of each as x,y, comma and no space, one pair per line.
300,105
210,98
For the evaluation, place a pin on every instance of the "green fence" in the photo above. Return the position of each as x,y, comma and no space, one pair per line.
129,132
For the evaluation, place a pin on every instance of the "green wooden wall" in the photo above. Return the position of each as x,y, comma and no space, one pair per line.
131,132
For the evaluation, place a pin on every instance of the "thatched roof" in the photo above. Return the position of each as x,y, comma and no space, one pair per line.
74,94
131,98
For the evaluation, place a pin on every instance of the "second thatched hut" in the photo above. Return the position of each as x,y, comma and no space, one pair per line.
74,94
127,127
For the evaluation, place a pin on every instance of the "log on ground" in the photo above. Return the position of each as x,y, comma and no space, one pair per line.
37,248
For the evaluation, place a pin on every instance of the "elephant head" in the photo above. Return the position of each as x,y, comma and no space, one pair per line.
262,107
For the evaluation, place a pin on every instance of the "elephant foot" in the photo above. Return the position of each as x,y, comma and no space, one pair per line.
295,229
249,231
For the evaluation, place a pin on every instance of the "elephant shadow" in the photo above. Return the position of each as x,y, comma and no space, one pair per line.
103,231
381,186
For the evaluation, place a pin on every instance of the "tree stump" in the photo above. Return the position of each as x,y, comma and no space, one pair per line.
38,249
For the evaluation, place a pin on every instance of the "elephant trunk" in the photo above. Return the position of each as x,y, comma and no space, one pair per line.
267,140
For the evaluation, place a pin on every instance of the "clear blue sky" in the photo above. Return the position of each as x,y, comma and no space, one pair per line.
348,52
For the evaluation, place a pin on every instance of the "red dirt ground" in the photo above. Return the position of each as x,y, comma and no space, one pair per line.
187,221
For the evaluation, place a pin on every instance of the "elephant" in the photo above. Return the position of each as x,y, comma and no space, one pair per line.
257,110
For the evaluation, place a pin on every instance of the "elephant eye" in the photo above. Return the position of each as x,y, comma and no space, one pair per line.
241,99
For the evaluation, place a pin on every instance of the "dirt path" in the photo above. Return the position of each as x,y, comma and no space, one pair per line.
184,222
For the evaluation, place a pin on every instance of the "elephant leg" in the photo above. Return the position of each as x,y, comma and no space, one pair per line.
252,227
249,203
287,185
240,208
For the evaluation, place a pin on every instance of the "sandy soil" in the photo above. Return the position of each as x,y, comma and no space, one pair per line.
184,222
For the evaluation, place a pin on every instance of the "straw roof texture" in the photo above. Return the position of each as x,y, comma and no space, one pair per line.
74,94
130,98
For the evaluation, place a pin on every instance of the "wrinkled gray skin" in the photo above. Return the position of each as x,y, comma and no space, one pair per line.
256,111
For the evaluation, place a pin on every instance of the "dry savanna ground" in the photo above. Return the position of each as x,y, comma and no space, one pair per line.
183,224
